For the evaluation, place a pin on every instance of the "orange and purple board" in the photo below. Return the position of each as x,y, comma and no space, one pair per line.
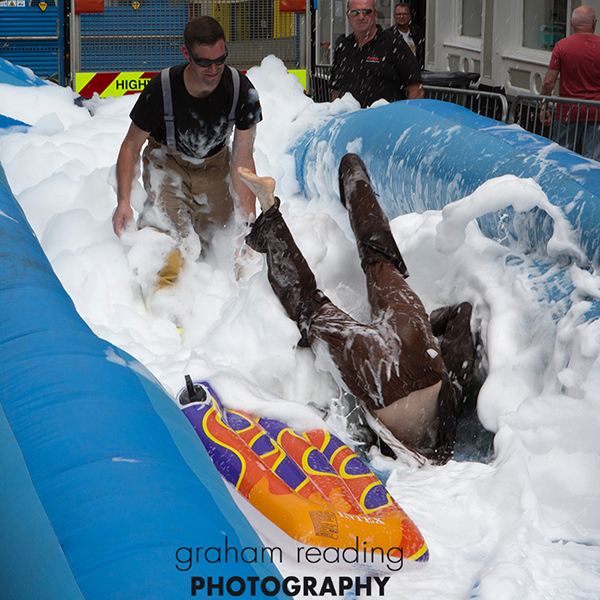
311,485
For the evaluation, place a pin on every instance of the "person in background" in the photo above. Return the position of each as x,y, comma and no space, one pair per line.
392,365
576,60
191,178
410,33
371,63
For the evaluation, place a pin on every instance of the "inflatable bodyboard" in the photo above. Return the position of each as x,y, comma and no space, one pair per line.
312,486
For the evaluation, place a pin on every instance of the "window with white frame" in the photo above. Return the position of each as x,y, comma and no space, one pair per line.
544,23
471,18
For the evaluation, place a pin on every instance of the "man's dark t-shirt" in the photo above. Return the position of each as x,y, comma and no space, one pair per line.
382,68
201,124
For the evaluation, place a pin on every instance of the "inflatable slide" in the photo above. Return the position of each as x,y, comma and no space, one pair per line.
106,490
422,155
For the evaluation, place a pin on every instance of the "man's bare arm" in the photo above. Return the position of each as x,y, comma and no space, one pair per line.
242,155
546,90
129,156
334,95
549,82
414,91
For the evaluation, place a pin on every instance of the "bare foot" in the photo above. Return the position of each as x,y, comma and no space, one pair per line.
262,187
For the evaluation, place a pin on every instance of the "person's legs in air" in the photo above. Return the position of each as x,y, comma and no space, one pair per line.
393,364
371,228
410,374
289,274
429,404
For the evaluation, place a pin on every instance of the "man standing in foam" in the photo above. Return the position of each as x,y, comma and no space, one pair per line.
187,164
577,60
393,364
372,63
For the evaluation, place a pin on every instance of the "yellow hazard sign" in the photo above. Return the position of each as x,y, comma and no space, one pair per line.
300,74
111,84
122,84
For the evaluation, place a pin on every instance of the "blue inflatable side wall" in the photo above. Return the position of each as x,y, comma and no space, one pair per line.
15,75
421,155
102,477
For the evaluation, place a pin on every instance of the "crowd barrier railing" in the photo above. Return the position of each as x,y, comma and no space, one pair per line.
570,122
320,83
488,104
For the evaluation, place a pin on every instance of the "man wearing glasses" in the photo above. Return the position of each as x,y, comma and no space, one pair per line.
188,167
410,33
372,63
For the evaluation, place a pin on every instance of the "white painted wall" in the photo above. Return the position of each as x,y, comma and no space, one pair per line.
517,69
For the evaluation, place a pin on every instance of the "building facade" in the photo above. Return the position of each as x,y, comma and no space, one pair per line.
508,42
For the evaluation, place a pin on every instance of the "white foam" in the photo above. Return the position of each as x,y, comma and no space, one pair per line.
525,526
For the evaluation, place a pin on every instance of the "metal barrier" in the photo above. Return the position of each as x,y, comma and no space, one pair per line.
487,104
125,38
254,29
569,122
320,83
33,37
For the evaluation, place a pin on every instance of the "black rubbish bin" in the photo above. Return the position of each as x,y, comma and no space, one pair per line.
454,79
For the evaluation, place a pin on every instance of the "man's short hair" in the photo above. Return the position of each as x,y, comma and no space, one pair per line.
402,5
204,31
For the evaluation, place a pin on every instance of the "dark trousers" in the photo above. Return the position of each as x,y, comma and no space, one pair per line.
390,357
393,355
396,352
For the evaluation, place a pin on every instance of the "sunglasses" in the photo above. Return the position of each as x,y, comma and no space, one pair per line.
208,62
358,11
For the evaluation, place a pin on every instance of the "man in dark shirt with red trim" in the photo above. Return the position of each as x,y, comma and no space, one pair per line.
371,63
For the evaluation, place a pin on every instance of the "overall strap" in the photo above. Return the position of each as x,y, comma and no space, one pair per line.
168,106
168,102
235,76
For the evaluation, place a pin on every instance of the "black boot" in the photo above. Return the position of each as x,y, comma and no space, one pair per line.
289,274
371,228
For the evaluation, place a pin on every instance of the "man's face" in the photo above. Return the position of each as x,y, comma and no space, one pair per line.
402,17
361,23
208,77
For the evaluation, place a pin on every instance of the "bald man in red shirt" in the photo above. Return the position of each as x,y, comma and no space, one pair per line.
577,60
